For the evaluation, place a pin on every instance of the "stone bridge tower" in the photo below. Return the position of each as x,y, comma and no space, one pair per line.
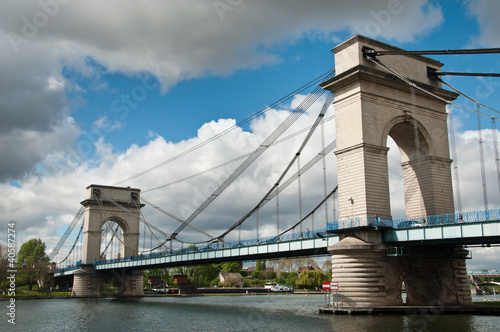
370,105
103,204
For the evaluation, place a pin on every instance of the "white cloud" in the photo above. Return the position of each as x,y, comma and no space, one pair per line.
486,12
174,41
484,258
54,85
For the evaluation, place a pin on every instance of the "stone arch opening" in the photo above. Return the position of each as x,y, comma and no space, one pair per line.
415,147
410,135
403,290
112,238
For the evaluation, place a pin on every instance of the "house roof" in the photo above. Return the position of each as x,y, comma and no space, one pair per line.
231,274
308,268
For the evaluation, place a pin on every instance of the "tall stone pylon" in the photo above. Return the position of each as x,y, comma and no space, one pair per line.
103,204
118,204
372,104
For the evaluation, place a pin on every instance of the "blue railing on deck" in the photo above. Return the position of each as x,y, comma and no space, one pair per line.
359,222
309,234
440,219
70,268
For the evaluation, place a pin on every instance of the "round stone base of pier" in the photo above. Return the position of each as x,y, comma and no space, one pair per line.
368,277
88,284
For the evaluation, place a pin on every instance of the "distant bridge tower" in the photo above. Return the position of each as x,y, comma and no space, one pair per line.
370,105
103,204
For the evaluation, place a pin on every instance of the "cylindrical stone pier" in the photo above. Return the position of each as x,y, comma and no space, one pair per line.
367,277
363,275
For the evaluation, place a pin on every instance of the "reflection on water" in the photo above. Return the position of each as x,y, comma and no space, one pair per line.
222,313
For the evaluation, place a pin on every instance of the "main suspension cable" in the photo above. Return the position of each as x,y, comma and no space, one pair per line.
304,87
308,101
312,211
68,231
174,217
74,244
276,187
234,159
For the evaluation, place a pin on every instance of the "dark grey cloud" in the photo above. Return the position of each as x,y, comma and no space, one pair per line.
33,110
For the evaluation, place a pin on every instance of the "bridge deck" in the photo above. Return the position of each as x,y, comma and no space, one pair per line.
487,232
479,227
297,247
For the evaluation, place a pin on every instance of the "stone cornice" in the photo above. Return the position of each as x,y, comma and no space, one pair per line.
93,202
366,147
358,74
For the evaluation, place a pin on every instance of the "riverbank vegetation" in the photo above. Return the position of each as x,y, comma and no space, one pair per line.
296,272
29,274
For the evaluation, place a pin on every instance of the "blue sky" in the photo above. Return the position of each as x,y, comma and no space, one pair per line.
176,114
95,93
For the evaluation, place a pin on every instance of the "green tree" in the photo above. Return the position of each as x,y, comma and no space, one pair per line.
202,275
233,267
256,274
33,263
270,275
281,280
291,279
311,279
260,265
4,282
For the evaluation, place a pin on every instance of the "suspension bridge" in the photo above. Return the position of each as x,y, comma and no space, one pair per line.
378,91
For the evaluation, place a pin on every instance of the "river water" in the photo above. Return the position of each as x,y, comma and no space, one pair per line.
220,313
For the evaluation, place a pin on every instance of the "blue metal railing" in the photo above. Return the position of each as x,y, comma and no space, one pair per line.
359,222
440,219
69,268
310,234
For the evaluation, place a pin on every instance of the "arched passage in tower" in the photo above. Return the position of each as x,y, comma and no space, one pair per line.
112,238
426,177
